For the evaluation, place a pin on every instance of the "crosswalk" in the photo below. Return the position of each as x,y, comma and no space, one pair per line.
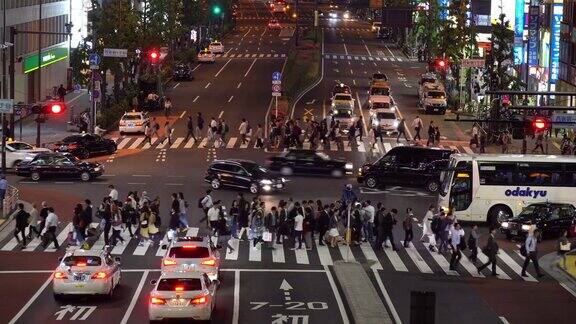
252,55
133,143
348,29
367,58
416,258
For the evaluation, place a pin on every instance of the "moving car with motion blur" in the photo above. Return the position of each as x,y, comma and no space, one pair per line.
191,253
182,72
206,56
550,218
433,99
378,78
133,122
308,162
59,165
182,295
85,145
406,166
18,152
86,272
216,47
242,174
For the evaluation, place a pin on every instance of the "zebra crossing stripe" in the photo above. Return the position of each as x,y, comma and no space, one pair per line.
160,251
192,231
377,59
244,145
346,252
371,256
141,249
148,145
162,144
417,259
356,58
301,256
231,142
275,55
514,266
61,237
189,144
268,55
255,253
363,58
261,55
10,245
100,243
323,254
395,260
333,146
306,145
501,274
441,260
203,143
468,150
385,58
387,147
452,147
399,59
349,57
470,267
283,55
278,255
177,142
361,147
123,143
119,248
33,244
370,58
136,143
232,254
232,55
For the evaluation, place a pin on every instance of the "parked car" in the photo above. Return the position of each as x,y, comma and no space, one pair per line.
310,162
59,165
550,218
85,145
242,174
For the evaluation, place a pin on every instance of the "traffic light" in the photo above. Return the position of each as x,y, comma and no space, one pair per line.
540,124
154,56
50,108
216,10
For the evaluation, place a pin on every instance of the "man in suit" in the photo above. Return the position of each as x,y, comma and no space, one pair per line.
491,250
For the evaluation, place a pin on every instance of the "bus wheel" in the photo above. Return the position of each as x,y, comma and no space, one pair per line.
498,214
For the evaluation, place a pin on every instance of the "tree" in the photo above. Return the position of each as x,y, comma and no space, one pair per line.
162,22
427,28
457,36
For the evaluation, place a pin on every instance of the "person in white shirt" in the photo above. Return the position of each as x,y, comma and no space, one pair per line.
427,225
113,193
298,229
50,229
417,124
206,203
243,129
214,216
531,244
456,236
183,207
368,224
259,136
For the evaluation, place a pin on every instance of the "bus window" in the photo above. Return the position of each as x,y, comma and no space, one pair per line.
538,174
495,173
461,192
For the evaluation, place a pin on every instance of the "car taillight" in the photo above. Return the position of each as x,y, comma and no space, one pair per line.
178,288
80,264
100,275
157,301
209,262
199,300
72,146
122,123
138,123
60,275
168,262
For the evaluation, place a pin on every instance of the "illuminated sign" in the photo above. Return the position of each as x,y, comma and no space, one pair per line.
555,42
518,33
533,26
50,56
444,8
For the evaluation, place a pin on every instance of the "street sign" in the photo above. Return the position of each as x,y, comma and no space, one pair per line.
276,76
94,59
477,63
115,52
193,35
276,90
6,106
564,120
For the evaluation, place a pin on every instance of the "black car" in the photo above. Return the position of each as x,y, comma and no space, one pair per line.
242,174
59,165
308,161
407,166
85,145
552,219
182,72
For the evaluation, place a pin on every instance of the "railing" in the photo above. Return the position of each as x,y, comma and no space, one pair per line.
10,201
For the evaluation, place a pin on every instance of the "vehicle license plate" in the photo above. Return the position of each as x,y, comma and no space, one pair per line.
178,302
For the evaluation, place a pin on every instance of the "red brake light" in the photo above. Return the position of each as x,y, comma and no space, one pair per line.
81,264
60,275
189,246
73,146
199,300
122,123
209,262
157,301
100,275
56,108
169,262
179,288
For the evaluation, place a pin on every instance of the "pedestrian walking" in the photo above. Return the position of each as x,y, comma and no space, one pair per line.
417,124
427,224
214,216
352,135
225,129
401,130
359,128
205,204
407,224
243,216
531,253
183,208
298,229
490,250
437,135
105,215
50,229
308,226
113,193
443,233
155,127
259,136
168,131
21,218
270,225
377,133
3,188
33,222
256,226
506,140
173,224
473,238
61,93
167,107
333,233
458,244
79,224
190,129
431,134
283,227
323,224
368,221
539,143
199,125
148,133
116,225
129,215
243,129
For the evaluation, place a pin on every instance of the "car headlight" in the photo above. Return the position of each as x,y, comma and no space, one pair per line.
346,15
333,104
96,169
266,188
28,158
348,166
393,108
395,123
283,180
376,123
505,224
266,182
526,227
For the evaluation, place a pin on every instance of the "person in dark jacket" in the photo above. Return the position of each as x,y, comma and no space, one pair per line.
87,214
243,212
173,224
407,224
323,223
271,225
356,224
388,225
473,243
491,250
379,225
21,223
79,224
282,228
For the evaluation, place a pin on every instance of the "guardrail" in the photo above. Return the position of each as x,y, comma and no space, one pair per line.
10,201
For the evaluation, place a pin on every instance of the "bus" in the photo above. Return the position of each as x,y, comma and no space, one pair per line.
495,187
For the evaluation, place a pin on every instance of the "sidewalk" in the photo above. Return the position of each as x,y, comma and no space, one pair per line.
549,263
54,128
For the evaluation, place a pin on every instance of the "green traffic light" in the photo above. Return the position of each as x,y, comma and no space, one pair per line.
216,10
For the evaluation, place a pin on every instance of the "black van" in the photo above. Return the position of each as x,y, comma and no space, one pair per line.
406,166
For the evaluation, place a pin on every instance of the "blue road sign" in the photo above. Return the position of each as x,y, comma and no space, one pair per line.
94,59
276,76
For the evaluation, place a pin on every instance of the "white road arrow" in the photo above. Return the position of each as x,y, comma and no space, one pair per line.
65,310
285,285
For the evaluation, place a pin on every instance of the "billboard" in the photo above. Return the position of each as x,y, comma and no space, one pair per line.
555,42
533,39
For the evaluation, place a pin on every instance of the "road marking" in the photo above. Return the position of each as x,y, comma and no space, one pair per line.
203,143
136,143
250,68
231,142
190,143
233,254
351,71
196,97
119,248
245,145
236,307
278,255
361,147
346,253
470,267
239,84
394,56
339,302
197,66
182,114
206,87
387,298
61,237
441,260
514,266
454,148
177,142
345,49
123,143
141,249
346,145
323,253
248,32
301,256
387,146
371,256
468,150
192,231
31,300
255,253
333,146
395,260
417,259
503,320
230,99
176,85
162,144
134,298
160,251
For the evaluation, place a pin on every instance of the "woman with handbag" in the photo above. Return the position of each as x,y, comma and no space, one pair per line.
145,216
256,226
564,246
333,224
116,224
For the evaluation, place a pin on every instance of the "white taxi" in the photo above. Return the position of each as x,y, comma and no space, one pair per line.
86,272
133,122
191,253
216,47
18,152
385,120
206,56
343,99
178,295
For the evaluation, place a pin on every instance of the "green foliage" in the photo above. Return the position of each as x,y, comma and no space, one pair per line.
80,66
108,117
186,56
457,37
302,67
161,22
500,59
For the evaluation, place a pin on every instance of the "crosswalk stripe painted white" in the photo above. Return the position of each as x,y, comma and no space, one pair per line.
61,237
454,148
371,256
468,150
235,244
377,59
502,255
192,231
333,146
136,143
361,147
278,254
501,274
231,142
119,248
417,259
149,144
203,143
395,260
162,144
323,254
441,260
189,144
346,252
177,142
470,267
160,251
306,145
245,144
255,253
141,249
100,243
302,255
387,147
10,245
123,143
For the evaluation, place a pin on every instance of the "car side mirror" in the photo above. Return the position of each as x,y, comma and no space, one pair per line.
153,282
117,259
164,247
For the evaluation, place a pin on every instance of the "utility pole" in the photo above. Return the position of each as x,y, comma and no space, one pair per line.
297,18
4,84
39,53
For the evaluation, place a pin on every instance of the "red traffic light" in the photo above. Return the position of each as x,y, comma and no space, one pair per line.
540,124
55,108
441,63
154,56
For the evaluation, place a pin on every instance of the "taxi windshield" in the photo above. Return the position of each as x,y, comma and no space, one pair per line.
436,94
183,284
380,91
189,252
342,97
82,261
385,115
132,117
